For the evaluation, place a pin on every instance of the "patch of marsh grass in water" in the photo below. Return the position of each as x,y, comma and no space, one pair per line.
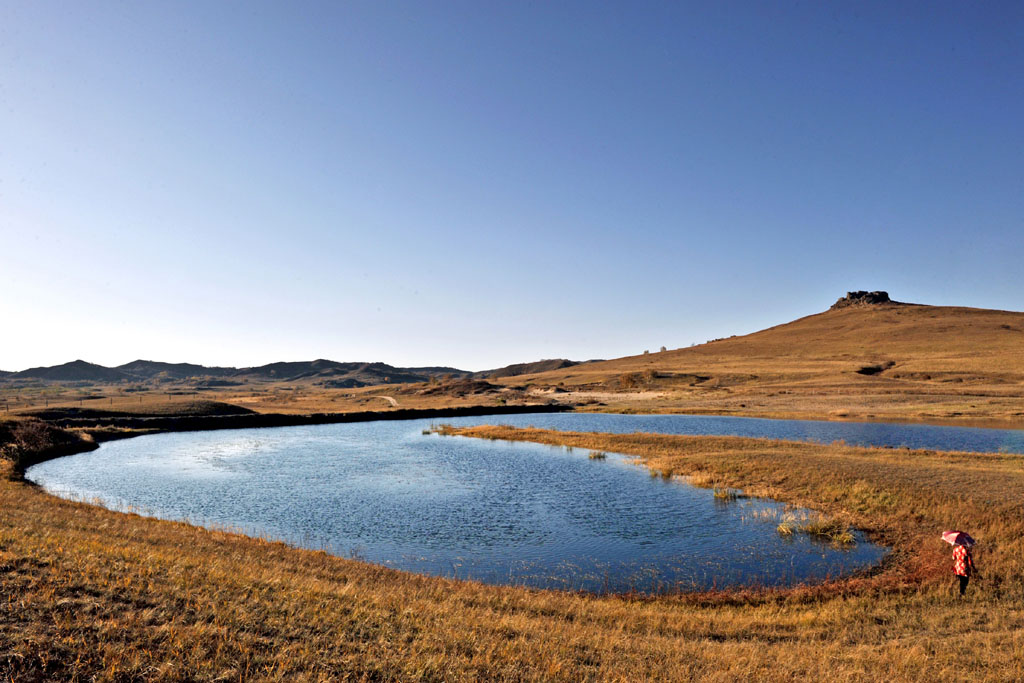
808,522
787,515
665,473
448,429
789,521
598,455
786,528
722,494
727,495
829,528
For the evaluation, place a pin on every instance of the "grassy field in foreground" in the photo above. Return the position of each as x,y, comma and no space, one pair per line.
90,594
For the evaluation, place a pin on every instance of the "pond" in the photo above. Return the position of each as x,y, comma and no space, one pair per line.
498,512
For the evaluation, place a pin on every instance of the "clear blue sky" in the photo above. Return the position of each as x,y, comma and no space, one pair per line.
476,184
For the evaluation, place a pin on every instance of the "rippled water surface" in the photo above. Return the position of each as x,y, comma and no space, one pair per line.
498,512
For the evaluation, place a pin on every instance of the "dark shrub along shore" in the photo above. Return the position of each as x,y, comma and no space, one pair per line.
192,423
28,442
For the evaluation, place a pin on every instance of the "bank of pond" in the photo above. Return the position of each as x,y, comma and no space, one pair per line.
395,494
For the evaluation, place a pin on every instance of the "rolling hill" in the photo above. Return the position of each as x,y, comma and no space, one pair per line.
867,357
528,368
317,371
861,358
148,369
322,372
75,371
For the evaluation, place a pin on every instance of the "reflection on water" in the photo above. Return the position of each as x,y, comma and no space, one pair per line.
497,512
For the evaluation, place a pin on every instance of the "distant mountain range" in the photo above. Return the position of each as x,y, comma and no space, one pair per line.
326,372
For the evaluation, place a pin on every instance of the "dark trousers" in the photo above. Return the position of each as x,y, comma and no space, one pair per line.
963,583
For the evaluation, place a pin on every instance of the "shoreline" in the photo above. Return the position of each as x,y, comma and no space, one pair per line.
99,429
83,434
302,541
970,422
168,588
196,423
703,460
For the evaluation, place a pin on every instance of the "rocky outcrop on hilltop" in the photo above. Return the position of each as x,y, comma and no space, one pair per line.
862,298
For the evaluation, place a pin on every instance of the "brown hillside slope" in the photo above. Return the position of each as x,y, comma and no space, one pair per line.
888,361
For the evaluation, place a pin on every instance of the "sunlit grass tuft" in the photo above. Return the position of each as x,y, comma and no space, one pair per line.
726,494
830,528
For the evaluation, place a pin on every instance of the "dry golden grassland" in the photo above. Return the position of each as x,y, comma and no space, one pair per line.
930,363
882,362
279,397
90,594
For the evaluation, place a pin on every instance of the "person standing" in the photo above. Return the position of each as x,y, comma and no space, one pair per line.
963,565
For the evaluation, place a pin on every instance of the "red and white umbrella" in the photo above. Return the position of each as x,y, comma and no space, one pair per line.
958,538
